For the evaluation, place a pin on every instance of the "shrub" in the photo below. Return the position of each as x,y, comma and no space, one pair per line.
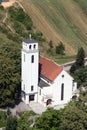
60,49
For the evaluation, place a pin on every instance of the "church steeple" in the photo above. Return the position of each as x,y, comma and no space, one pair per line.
29,69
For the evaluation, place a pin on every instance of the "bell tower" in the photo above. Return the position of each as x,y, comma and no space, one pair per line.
29,70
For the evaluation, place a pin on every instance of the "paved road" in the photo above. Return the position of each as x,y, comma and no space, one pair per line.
68,65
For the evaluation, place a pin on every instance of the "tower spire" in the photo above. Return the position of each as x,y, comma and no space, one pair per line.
30,36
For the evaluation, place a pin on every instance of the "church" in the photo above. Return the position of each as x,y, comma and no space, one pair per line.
42,80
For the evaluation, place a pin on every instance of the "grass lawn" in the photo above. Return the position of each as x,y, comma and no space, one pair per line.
63,59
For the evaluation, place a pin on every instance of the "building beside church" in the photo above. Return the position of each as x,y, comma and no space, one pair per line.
43,80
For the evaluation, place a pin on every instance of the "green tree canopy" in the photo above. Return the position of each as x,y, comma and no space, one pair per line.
80,57
79,61
60,48
9,73
24,121
74,118
11,123
49,120
78,70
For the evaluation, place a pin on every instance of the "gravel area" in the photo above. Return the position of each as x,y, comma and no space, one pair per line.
20,108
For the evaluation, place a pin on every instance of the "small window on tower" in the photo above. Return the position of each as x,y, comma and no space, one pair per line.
32,59
32,88
34,46
29,46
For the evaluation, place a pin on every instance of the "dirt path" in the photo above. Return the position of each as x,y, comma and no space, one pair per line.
6,15
8,26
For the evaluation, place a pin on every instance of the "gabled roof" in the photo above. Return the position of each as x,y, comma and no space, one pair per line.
49,69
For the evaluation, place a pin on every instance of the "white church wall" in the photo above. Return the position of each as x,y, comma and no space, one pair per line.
44,94
66,79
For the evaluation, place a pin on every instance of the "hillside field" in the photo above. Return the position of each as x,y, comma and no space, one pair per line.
60,20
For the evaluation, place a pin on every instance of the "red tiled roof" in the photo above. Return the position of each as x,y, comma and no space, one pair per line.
49,69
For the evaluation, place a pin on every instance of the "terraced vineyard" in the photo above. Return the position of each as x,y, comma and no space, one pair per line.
60,20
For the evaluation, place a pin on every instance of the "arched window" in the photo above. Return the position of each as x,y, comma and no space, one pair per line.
32,59
34,46
29,46
62,91
32,88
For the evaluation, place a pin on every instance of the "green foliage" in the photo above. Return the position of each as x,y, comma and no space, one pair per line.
80,76
19,15
38,36
83,98
73,68
24,122
80,58
51,44
49,120
2,119
78,70
13,37
8,112
60,49
74,118
22,24
10,73
11,123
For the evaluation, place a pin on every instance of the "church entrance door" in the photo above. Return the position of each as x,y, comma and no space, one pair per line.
48,101
31,98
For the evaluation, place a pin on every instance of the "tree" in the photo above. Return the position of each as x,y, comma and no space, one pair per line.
9,73
60,48
51,44
73,68
24,121
80,57
79,61
11,123
49,120
8,112
73,118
